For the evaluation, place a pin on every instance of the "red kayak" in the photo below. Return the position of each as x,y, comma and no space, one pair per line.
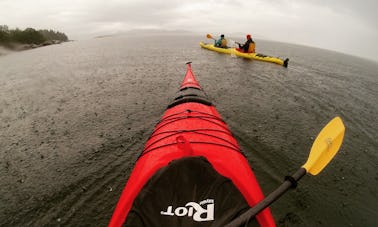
191,172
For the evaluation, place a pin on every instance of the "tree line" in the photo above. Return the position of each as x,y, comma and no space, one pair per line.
29,35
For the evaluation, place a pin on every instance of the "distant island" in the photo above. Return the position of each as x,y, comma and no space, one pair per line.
17,39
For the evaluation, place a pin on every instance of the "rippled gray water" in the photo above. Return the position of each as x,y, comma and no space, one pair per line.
73,118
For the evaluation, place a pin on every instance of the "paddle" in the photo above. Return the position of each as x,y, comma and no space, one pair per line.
235,42
322,151
209,36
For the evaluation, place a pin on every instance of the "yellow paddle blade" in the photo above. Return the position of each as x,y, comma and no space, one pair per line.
325,146
209,36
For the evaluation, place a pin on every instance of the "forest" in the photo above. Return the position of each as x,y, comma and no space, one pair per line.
30,36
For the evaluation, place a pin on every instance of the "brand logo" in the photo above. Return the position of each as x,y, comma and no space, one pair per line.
202,211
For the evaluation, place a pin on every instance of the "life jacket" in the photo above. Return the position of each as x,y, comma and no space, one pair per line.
224,43
251,48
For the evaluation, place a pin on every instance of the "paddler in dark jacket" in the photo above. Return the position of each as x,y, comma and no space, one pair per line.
248,47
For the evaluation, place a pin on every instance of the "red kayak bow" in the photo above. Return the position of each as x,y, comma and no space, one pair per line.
191,171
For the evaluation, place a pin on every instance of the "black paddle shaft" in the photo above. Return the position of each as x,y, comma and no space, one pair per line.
290,182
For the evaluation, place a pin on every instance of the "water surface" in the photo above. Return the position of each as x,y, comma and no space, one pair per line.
74,117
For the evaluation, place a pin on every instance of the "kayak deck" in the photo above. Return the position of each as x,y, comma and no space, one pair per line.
166,186
253,56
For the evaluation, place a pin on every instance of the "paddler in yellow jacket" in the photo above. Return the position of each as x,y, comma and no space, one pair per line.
248,46
221,42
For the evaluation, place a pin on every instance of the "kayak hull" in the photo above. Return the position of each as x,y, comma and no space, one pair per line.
253,56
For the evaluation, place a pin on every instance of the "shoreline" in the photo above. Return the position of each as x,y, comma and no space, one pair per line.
4,51
8,48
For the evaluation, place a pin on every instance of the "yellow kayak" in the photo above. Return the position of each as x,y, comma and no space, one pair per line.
254,56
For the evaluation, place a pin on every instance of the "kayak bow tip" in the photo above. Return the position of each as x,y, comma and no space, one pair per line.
190,80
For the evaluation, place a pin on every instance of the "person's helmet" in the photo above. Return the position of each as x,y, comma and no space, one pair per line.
248,36
222,35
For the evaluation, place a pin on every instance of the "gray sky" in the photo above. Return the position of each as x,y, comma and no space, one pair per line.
348,26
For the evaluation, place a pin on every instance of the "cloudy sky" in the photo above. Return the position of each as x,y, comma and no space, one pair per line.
348,26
